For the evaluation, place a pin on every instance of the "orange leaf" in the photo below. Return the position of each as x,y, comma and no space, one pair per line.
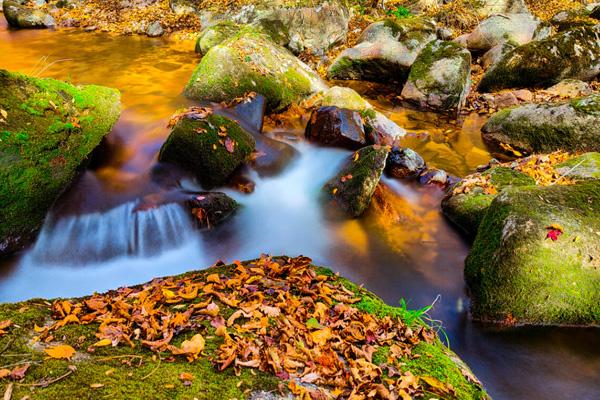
60,351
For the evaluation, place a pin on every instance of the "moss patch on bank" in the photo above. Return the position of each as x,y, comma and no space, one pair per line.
137,372
48,131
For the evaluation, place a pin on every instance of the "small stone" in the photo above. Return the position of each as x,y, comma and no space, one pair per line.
333,126
155,29
404,163
507,99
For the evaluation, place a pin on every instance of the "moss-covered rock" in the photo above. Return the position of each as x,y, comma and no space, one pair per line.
136,372
20,15
569,54
251,62
585,166
210,146
571,126
48,129
517,273
466,210
353,187
215,34
440,77
385,51
568,19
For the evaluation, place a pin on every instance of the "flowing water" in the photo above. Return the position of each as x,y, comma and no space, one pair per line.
98,237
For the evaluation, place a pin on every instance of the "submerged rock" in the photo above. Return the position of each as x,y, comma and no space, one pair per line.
440,77
48,129
19,15
385,51
210,146
252,63
517,29
536,257
404,163
570,54
211,208
571,126
333,126
353,187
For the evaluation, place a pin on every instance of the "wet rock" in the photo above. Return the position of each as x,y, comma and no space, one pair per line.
466,210
517,29
404,163
253,63
250,110
379,128
155,29
570,54
19,15
211,208
516,272
333,126
433,176
353,187
491,7
439,79
42,151
210,146
385,51
570,88
571,126
496,53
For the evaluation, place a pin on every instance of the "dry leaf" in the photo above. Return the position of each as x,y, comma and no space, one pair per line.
61,351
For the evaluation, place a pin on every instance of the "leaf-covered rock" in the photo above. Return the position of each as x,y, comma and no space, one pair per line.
210,146
569,54
48,129
353,187
571,126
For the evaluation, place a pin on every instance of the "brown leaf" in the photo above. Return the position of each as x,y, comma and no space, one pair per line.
18,372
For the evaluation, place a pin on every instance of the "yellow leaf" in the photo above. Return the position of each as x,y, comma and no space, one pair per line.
186,377
169,294
193,347
321,336
39,329
214,278
102,343
60,351
4,373
434,383
3,113
96,385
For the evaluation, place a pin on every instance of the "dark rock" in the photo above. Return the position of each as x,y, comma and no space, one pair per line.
211,208
404,163
333,126
434,176
353,187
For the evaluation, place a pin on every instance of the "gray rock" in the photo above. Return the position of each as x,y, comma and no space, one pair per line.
404,163
490,7
439,79
155,29
496,53
571,54
570,88
20,16
571,126
385,51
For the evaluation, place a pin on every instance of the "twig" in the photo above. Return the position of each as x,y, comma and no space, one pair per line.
153,371
121,356
10,341
568,172
8,393
44,383
39,73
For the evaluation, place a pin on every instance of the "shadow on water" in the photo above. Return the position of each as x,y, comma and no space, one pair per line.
402,247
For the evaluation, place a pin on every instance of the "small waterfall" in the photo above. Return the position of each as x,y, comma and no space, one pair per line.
118,232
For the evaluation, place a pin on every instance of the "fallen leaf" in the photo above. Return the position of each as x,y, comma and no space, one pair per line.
103,343
96,385
18,372
193,347
4,373
61,351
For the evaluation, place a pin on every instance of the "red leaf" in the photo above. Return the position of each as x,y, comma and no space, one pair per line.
553,234
229,145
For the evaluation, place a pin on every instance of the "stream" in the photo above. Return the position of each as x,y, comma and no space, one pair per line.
402,248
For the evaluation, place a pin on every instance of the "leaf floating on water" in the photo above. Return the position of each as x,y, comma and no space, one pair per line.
61,351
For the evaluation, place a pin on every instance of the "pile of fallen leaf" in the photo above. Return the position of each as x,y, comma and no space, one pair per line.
541,167
281,316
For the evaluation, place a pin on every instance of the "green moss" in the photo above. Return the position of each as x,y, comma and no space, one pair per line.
51,129
585,166
215,35
196,146
514,271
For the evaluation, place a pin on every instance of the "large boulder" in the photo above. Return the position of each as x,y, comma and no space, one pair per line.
251,62
209,145
20,15
353,187
569,54
48,129
333,126
518,29
536,257
571,126
379,128
440,77
385,50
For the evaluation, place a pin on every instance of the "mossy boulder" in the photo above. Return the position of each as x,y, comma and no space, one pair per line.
48,129
516,272
353,187
209,145
385,51
440,77
466,210
585,166
571,126
136,371
569,54
252,63
20,15
568,19
497,29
